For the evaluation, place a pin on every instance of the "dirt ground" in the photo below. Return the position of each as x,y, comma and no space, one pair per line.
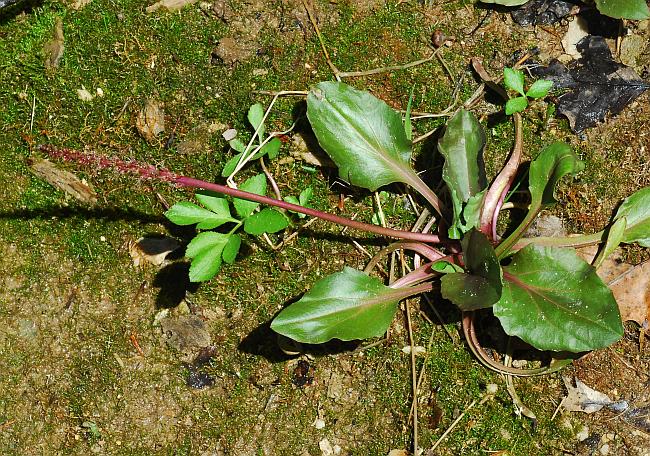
102,356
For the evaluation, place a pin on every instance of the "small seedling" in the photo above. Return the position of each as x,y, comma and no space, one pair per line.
514,80
209,248
268,146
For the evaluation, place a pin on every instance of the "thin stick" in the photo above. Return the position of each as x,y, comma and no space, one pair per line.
559,406
246,158
31,123
349,74
295,233
456,421
520,407
322,43
414,379
269,176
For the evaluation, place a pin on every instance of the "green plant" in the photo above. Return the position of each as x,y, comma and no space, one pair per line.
268,146
540,289
514,80
618,9
209,248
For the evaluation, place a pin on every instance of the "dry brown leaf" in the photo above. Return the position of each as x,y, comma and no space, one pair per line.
53,49
632,292
152,250
169,5
64,180
629,284
151,120
581,398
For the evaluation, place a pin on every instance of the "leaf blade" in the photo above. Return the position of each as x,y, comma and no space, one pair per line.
186,213
347,305
364,137
463,171
266,221
554,300
205,250
624,9
514,80
540,88
636,209
255,184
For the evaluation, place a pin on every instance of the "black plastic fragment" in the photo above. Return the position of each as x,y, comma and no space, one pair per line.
597,85
542,12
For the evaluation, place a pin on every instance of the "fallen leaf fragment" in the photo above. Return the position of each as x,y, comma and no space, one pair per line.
629,284
64,180
152,250
632,292
151,120
398,453
418,350
169,5
577,30
581,398
53,49
84,94
327,449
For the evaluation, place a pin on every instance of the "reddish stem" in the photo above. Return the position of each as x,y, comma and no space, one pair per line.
147,171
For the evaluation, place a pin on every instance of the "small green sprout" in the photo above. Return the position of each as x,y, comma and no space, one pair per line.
514,80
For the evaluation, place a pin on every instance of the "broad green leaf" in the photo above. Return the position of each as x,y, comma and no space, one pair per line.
230,165
205,250
305,196
231,248
186,213
271,149
255,116
554,300
467,291
516,105
255,184
624,9
347,305
615,235
362,135
539,89
472,211
266,221
237,145
514,80
553,162
445,267
506,2
291,199
463,172
636,209
481,283
217,205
